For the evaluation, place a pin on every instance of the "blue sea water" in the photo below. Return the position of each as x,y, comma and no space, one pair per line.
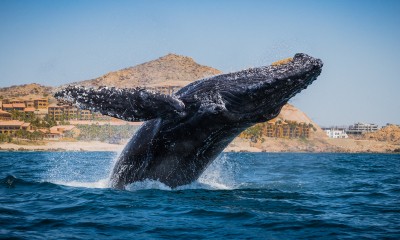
65,195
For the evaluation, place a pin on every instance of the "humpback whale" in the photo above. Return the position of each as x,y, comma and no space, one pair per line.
184,132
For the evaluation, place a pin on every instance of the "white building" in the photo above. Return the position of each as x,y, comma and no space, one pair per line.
335,132
361,128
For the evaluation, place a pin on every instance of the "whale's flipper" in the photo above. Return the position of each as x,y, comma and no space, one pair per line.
136,104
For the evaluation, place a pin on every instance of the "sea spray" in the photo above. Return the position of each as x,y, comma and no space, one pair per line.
80,169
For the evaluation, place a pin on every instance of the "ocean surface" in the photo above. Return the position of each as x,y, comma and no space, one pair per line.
65,195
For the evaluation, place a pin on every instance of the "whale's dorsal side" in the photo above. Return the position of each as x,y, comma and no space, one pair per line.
135,104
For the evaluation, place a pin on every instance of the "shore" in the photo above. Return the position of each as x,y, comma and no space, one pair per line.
238,145
64,146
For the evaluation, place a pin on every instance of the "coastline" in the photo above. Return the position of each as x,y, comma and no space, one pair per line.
238,145
60,146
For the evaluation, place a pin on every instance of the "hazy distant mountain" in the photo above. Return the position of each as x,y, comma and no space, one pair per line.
169,69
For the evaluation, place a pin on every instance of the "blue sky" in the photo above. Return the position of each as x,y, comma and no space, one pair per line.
57,42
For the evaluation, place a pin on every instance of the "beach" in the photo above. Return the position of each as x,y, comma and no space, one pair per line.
237,145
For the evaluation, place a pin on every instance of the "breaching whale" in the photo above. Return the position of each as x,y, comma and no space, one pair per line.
184,132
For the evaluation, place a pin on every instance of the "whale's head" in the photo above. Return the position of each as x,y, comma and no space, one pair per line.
258,94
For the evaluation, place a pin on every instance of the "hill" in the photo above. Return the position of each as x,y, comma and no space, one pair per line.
291,113
26,91
170,69
390,133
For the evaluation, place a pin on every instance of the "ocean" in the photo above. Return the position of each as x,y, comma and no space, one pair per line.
65,195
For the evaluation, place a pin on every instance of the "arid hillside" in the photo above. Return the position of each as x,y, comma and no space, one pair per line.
32,90
389,133
166,70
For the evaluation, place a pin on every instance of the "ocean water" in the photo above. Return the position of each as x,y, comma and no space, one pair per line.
65,195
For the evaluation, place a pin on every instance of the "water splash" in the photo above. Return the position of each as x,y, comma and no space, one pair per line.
88,170
93,170
102,183
220,174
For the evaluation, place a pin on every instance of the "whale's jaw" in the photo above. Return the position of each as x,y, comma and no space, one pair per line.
258,94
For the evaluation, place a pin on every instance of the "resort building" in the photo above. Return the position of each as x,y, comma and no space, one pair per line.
41,103
67,112
7,107
29,112
58,132
16,101
41,112
5,116
85,115
361,128
11,127
13,107
70,112
29,104
336,132
56,112
283,129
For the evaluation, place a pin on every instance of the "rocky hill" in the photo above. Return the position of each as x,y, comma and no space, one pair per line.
291,113
389,133
32,90
171,68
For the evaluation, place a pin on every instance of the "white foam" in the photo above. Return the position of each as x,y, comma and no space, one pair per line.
218,176
103,183
147,184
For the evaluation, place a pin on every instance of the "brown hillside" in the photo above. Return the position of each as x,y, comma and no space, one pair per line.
167,70
389,133
291,113
26,91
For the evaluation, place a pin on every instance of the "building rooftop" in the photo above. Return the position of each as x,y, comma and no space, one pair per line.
29,109
54,105
4,112
12,123
18,105
7,105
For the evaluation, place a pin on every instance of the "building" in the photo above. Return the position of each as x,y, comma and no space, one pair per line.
5,116
29,103
18,107
29,112
7,107
70,112
85,115
58,132
336,132
361,128
59,113
16,101
14,107
11,127
41,103
56,112
41,112
287,129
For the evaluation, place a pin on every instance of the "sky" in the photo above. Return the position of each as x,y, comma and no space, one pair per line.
63,41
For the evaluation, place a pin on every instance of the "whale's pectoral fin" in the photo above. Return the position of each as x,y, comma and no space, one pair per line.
136,104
